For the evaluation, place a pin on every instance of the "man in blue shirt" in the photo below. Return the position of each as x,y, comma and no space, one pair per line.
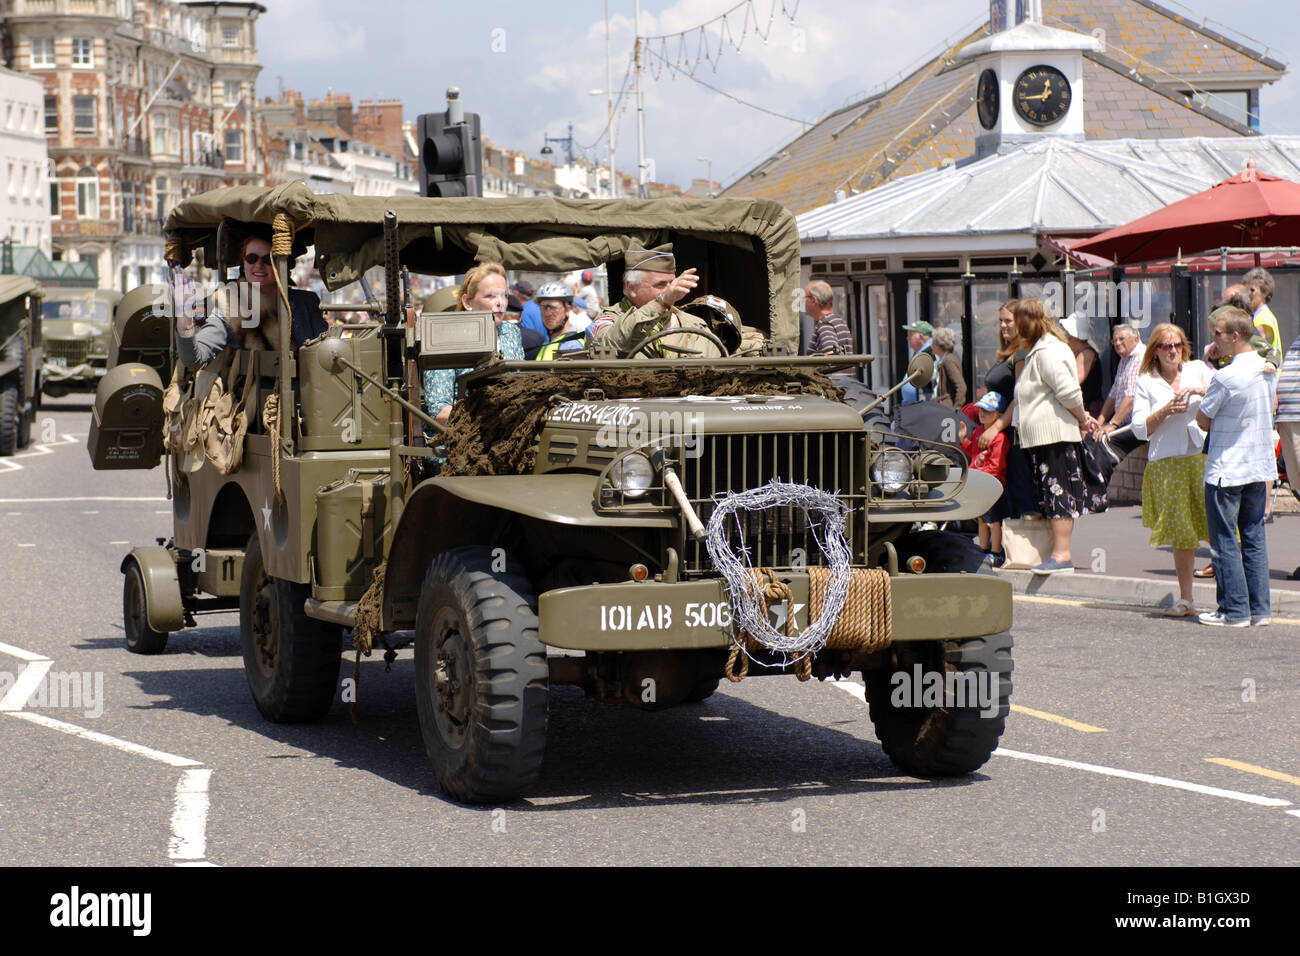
1237,410
530,313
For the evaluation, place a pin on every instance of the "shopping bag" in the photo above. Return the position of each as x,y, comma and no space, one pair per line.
1026,541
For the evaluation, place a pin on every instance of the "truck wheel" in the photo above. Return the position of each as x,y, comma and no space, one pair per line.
941,741
480,677
140,637
8,418
702,691
291,660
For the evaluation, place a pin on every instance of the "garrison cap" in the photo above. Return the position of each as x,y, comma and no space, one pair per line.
658,259
443,300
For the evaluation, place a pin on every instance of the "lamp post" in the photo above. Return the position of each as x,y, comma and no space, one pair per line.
709,171
566,140
613,175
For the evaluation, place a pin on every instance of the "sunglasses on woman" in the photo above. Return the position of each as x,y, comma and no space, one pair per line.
252,259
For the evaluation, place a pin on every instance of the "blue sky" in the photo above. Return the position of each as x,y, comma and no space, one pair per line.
527,67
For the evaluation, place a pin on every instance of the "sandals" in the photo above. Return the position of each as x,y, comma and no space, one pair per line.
1182,608
1205,572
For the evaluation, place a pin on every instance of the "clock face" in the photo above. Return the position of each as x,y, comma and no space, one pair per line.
986,99
1041,95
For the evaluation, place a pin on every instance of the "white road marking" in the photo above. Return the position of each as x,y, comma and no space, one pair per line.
188,842
25,685
21,654
119,542
1145,778
36,450
90,512
850,686
23,501
858,691
26,544
190,816
117,743
14,514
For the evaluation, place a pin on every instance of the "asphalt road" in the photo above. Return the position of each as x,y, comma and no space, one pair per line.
1178,744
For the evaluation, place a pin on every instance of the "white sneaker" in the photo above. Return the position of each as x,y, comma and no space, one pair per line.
1216,619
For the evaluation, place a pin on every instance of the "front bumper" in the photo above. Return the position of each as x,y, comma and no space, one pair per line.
86,375
692,615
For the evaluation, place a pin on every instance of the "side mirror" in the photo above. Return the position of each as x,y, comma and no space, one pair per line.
921,368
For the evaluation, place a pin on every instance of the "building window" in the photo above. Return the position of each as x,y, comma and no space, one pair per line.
160,191
51,114
42,53
234,146
87,193
83,111
229,36
160,133
82,52
232,92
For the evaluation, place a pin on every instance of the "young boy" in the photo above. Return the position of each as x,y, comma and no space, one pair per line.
992,460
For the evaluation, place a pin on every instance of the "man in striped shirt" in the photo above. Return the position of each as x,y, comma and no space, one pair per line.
829,330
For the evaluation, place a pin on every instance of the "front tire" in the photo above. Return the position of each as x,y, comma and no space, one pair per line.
140,637
9,423
481,676
941,741
291,660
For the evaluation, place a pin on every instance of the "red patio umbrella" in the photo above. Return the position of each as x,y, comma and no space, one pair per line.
1248,209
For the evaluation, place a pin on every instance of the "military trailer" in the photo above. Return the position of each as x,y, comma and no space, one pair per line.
640,527
20,360
78,336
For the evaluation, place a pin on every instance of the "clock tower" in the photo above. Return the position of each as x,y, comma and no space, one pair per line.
1028,79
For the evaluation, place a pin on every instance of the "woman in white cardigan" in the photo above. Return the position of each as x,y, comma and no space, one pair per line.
1050,413
1169,387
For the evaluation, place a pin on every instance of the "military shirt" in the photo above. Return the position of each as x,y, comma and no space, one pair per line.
622,326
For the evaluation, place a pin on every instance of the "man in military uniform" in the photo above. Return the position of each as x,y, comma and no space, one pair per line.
651,291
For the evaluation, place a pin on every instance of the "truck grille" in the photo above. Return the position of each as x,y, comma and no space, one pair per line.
831,461
70,351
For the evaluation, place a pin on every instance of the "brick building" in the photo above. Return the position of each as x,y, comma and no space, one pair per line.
146,102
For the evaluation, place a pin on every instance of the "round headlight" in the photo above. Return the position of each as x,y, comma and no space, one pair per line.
632,475
892,470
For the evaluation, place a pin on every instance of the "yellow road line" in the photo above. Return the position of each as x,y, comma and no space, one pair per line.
1057,719
1251,768
1047,600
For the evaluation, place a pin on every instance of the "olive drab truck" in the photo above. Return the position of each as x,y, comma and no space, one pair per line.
642,527
21,355
78,331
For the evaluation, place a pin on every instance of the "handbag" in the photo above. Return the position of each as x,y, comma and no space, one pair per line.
1026,541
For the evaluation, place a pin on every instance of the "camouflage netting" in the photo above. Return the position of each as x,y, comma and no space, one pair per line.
494,430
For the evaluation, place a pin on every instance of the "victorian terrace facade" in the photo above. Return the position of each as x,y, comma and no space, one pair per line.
146,102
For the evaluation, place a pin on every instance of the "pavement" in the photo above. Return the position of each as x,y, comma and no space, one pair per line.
1115,564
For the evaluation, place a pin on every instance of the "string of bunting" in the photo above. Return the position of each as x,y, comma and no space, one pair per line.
705,52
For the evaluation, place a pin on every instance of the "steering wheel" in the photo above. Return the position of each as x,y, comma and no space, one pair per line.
664,333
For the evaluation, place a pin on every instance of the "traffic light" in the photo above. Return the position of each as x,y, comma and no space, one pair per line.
451,156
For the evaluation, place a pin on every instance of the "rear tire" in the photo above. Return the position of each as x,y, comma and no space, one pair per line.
941,741
140,637
702,691
291,660
481,677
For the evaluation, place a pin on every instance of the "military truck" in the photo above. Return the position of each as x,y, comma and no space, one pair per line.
78,330
589,525
20,360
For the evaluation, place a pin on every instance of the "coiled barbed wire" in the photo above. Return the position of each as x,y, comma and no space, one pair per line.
746,593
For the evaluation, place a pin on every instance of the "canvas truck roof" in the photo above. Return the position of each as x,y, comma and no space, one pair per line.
746,250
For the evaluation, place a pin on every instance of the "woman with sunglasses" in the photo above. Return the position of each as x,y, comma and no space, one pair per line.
197,345
1169,387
